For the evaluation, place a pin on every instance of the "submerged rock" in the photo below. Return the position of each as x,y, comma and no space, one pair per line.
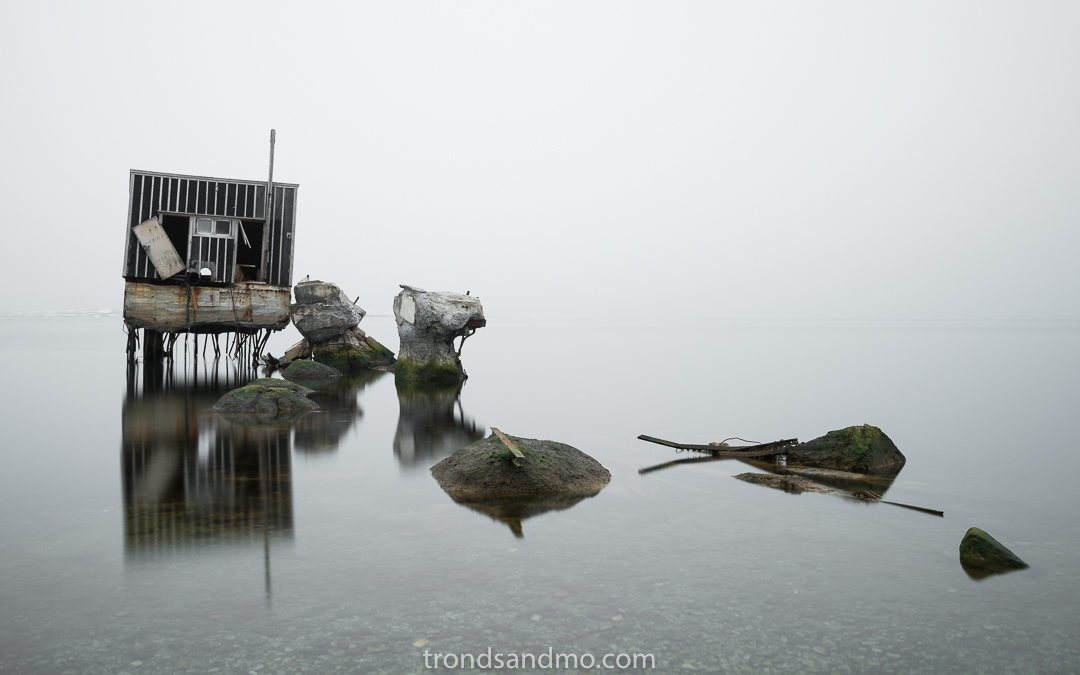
310,372
260,400
786,483
979,549
486,469
428,323
862,449
322,433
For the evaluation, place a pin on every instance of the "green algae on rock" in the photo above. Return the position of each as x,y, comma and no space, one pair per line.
310,372
428,324
860,449
352,352
979,549
409,371
486,468
328,320
280,384
259,400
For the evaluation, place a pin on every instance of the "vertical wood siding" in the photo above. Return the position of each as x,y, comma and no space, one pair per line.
220,251
151,194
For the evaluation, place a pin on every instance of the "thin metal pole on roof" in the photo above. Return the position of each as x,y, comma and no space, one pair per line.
270,180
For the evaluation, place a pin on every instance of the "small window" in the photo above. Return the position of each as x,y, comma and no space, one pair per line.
213,227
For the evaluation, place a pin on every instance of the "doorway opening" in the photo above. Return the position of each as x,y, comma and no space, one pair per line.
249,251
177,230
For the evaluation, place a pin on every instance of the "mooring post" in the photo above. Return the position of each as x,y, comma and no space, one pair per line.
132,343
153,348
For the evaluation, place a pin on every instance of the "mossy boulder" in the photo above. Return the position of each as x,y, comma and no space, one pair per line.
979,549
862,449
259,400
306,372
281,384
352,353
431,373
486,468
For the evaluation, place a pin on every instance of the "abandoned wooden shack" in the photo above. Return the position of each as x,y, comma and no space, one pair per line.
207,256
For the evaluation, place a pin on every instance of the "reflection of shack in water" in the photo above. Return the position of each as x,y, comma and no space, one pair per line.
191,479
339,412
431,424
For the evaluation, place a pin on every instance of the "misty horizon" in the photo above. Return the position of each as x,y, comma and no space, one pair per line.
894,161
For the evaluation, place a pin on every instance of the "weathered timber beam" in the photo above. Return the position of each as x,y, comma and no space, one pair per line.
508,443
760,450
933,512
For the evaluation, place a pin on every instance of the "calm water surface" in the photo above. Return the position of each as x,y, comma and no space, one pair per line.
142,534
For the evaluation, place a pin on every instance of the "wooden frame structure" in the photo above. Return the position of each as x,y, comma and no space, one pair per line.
208,255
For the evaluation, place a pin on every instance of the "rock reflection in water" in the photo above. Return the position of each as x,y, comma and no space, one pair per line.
339,412
513,510
431,424
193,479
838,480
980,573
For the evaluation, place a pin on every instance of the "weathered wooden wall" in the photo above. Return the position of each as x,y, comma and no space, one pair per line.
174,308
151,194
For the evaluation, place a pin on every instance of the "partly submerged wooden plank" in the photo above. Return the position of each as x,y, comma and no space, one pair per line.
206,309
760,450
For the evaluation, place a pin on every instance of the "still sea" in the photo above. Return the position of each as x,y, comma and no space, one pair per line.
140,533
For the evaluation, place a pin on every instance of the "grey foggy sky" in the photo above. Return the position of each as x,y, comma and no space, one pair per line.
873,160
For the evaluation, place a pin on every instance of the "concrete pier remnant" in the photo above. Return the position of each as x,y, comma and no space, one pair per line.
428,323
